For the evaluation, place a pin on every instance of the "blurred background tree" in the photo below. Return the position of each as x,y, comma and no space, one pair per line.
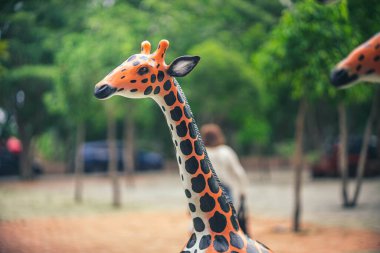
262,62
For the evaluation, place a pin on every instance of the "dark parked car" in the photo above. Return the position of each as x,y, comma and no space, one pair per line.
327,165
95,156
10,152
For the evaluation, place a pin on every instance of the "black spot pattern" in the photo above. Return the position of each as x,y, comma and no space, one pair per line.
370,71
160,76
133,81
179,96
218,222
198,148
214,187
204,166
198,183
135,63
133,90
171,127
179,160
176,113
131,58
176,143
205,242
181,129
234,222
223,204
187,112
170,99
188,193
163,108
199,226
236,240
192,241
376,58
121,89
193,133
192,207
122,77
359,67
148,90
167,85
186,147
145,80
220,243
361,57
152,78
191,165
157,90
207,203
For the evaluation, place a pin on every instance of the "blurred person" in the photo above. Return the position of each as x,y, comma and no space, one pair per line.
231,173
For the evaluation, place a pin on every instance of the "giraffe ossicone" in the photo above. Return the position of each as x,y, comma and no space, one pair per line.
146,75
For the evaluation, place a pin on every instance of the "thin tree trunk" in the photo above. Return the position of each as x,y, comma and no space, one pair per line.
364,150
25,156
342,152
298,164
112,159
129,146
79,163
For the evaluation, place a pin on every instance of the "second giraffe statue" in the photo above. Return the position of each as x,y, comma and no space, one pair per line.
146,75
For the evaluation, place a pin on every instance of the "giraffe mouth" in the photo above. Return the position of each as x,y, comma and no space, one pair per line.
104,91
340,78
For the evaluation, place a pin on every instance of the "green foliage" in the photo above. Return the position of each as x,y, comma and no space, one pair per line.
223,90
257,61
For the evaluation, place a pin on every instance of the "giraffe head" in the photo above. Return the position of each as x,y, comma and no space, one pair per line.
145,74
362,64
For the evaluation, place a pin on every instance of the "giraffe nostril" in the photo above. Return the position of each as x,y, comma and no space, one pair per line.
104,91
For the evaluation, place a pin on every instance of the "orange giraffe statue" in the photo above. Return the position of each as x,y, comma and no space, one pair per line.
146,75
362,64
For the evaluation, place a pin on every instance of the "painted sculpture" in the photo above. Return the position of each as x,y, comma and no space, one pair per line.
146,75
362,64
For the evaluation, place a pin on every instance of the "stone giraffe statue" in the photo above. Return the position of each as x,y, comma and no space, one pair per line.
146,75
362,64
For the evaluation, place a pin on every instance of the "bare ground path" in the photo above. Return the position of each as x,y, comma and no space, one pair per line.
40,216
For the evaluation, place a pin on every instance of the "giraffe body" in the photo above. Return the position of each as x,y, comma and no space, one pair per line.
216,228
362,64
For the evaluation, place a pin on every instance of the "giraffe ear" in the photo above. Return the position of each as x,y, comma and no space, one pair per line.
183,65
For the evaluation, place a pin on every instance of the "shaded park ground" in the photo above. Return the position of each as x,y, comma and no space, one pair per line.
40,216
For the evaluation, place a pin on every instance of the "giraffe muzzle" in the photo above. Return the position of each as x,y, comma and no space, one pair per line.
340,78
104,91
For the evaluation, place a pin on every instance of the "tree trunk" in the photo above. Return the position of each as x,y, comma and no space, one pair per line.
364,149
79,163
298,163
342,152
25,156
129,146
112,159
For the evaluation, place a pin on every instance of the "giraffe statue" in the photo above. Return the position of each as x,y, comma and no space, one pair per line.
362,64
146,75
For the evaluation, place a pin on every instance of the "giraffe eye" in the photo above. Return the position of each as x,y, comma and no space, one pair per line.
143,71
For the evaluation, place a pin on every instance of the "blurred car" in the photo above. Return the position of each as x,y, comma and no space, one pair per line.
95,155
10,158
327,164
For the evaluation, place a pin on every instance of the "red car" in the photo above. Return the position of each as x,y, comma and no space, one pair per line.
327,165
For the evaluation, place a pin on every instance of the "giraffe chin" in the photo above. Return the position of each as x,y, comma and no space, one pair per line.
103,92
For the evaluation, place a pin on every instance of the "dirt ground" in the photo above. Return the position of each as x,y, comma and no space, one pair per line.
41,217
150,232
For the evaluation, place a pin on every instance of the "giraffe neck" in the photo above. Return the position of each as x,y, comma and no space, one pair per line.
208,205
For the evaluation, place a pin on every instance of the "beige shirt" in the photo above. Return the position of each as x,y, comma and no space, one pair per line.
229,170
